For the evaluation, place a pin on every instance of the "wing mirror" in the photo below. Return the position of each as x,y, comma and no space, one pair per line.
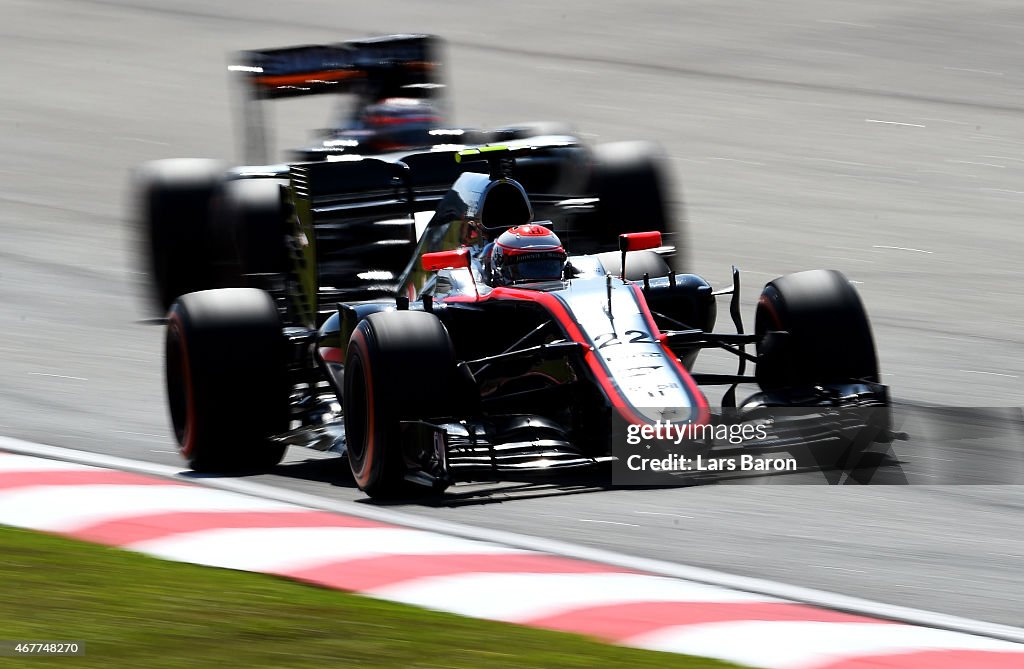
456,258
432,262
636,241
639,241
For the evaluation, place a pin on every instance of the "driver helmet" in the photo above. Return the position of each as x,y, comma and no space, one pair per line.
392,114
527,254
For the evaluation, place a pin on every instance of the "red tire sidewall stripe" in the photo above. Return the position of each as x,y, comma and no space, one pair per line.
188,437
359,345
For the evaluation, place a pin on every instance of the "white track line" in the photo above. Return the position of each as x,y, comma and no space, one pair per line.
698,574
524,597
13,463
72,507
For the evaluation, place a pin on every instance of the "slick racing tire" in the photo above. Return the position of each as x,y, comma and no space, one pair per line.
632,187
826,334
174,200
227,379
400,366
254,213
638,263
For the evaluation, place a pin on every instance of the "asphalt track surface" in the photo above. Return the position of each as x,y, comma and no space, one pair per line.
881,139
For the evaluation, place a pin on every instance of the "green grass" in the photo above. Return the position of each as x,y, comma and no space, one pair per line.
135,611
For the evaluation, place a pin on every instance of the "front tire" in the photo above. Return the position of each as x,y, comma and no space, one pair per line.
828,338
227,379
400,366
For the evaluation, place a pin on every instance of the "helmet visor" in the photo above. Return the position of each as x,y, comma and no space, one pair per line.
535,267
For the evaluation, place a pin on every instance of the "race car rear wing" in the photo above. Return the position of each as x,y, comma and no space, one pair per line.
372,69
385,66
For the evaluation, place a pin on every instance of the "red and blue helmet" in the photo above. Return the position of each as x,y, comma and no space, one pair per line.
399,123
394,113
527,254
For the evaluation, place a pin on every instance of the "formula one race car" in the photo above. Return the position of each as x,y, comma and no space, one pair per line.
207,226
497,352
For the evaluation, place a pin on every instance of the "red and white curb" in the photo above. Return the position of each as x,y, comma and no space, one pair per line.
176,520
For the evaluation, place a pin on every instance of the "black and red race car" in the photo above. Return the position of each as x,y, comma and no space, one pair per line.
496,351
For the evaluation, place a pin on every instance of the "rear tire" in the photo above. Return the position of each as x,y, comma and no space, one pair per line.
227,379
254,213
630,181
400,366
174,203
829,336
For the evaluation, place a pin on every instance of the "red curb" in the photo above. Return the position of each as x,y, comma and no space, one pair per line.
617,622
132,529
31,479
